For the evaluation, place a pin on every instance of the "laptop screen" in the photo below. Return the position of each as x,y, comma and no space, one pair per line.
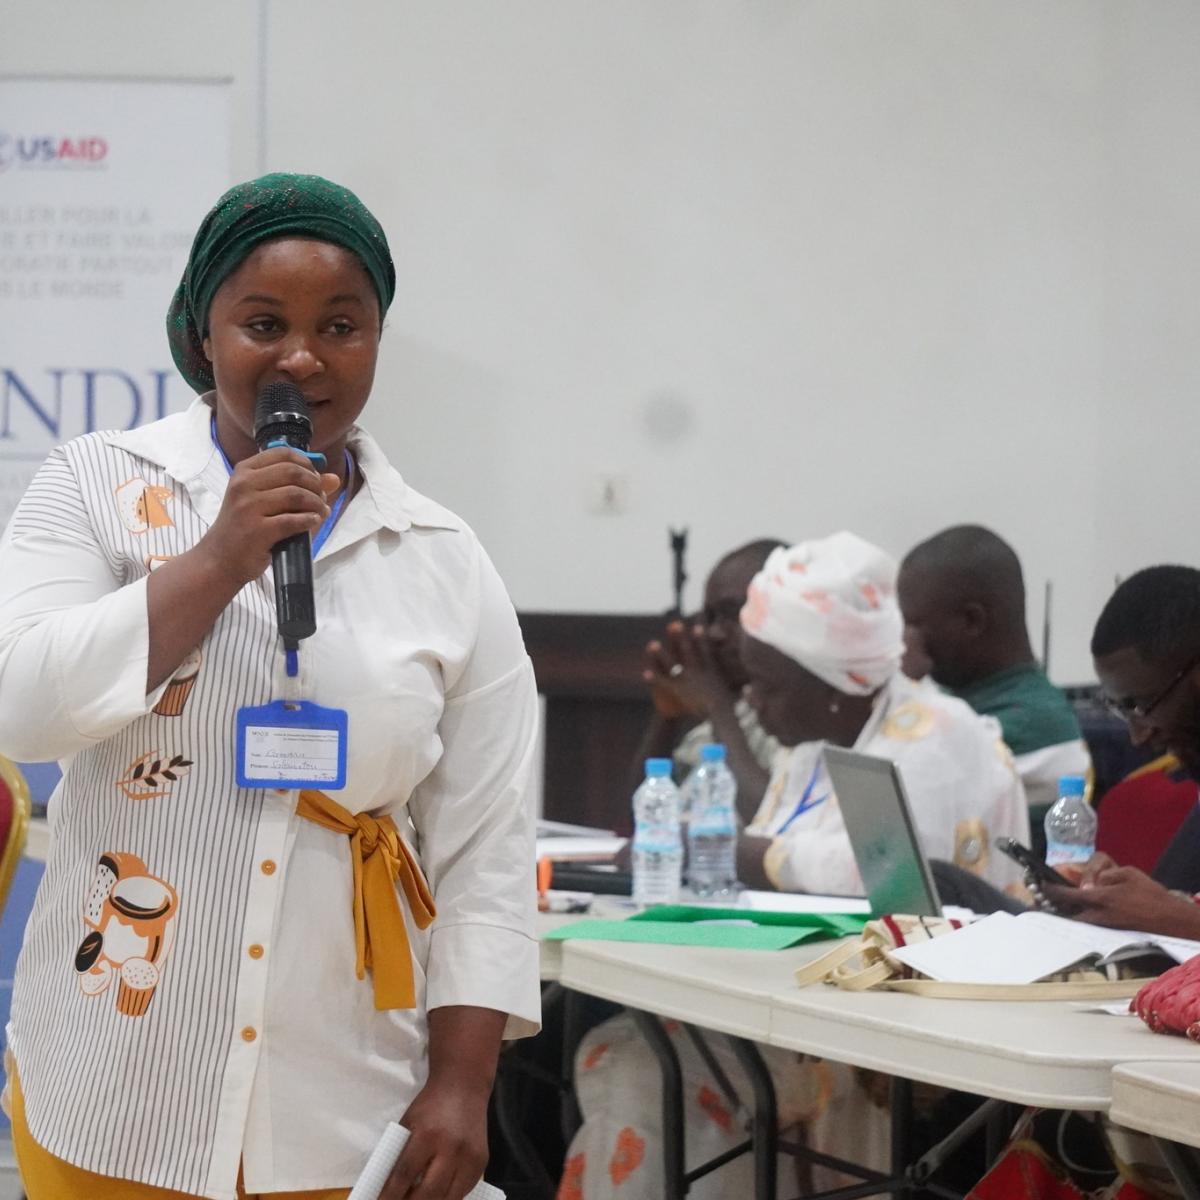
875,810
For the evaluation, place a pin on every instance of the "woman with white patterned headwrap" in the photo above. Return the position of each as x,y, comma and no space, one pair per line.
822,646
823,641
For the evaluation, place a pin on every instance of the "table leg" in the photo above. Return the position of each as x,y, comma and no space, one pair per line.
931,1161
765,1127
674,1181
901,1121
572,1034
1183,1164
714,1068
999,1131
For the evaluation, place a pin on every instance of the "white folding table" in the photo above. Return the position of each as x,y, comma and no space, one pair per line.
1162,1099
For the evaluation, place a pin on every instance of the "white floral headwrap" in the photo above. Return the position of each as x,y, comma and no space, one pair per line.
830,604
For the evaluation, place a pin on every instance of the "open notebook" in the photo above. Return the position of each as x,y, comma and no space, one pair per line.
383,1159
1003,948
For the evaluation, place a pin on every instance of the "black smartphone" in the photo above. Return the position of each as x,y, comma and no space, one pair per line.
1030,862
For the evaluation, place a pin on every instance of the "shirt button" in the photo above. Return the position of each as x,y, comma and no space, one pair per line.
268,866
249,1033
255,951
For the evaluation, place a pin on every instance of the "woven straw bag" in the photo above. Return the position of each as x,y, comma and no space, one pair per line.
867,963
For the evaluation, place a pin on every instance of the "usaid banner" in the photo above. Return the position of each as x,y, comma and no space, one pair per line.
102,186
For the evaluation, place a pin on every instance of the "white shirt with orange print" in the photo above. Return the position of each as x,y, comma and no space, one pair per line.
186,997
962,786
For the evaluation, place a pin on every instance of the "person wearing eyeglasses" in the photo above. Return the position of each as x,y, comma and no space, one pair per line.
1146,648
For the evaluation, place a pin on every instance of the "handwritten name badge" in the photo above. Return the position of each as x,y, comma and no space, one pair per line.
291,745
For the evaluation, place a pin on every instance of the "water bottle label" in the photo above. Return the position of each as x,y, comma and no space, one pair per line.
713,824
1058,853
657,839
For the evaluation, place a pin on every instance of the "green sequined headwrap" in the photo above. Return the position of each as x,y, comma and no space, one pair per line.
249,214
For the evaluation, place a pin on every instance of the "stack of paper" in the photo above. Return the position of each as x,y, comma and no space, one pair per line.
566,829
1003,948
580,849
383,1159
564,842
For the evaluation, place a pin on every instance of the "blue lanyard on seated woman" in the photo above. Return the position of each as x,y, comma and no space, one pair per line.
806,803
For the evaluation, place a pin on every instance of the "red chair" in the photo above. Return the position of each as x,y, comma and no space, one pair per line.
1142,813
14,823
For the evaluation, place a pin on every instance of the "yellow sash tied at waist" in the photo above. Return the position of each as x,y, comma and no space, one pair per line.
379,857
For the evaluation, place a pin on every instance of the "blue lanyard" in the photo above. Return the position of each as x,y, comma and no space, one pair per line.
806,803
322,535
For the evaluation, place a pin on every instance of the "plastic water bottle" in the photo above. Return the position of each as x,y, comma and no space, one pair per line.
709,796
657,841
1070,824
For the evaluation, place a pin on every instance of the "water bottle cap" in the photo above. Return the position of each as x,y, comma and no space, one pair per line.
659,768
1072,785
714,752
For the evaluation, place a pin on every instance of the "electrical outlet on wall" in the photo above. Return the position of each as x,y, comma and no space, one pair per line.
608,494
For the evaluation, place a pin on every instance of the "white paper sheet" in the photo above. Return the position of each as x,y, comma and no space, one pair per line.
1101,941
1120,1009
273,753
584,849
799,902
383,1159
994,950
547,828
1180,949
1003,948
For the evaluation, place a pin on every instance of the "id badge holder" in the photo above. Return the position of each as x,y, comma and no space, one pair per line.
292,744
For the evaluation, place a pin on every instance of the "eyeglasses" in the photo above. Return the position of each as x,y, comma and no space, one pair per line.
1129,709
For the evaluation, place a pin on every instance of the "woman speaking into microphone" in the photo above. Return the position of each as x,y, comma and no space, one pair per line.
289,897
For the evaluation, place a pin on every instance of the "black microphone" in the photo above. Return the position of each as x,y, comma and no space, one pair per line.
281,419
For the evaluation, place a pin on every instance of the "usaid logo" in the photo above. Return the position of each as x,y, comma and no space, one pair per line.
51,151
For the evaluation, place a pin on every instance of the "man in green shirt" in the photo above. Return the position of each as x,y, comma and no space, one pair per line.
963,599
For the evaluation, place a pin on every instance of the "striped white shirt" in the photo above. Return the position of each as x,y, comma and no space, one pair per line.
186,997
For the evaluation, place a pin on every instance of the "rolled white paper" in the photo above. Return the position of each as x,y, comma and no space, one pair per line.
383,1159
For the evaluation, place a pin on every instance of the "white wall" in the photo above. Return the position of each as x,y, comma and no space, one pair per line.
157,38
787,266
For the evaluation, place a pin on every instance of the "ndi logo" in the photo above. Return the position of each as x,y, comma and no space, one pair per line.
39,409
47,150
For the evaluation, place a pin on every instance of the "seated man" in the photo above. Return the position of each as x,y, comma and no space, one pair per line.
963,600
823,646
1146,648
696,678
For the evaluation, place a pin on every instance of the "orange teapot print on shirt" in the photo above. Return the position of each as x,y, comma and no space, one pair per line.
130,915
143,506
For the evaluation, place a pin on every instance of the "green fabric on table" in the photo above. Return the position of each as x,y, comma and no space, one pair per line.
689,925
